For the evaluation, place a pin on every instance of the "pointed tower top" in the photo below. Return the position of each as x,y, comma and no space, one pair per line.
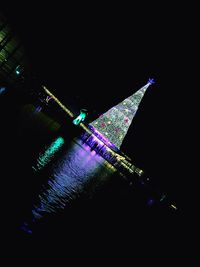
114,124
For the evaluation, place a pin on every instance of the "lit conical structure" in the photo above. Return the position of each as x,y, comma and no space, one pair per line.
114,123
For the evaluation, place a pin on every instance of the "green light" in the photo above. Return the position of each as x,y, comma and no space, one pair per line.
17,70
49,153
81,117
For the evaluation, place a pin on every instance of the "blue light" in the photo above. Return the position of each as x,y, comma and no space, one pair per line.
2,89
151,81
150,202
26,229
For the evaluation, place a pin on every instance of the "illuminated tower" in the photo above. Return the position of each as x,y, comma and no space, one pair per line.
114,123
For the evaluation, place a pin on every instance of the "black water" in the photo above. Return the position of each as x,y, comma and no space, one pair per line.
54,185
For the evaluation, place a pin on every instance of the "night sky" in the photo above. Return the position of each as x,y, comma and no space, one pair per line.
97,56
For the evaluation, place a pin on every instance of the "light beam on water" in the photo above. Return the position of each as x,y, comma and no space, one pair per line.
75,169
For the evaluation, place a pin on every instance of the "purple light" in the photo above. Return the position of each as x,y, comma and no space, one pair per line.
38,109
151,81
93,153
86,147
102,139
150,202
48,98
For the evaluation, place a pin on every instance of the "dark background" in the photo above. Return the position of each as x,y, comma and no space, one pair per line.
99,55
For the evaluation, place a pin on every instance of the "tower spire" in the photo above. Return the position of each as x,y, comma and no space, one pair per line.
114,123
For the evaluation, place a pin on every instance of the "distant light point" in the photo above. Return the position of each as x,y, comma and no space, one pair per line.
151,81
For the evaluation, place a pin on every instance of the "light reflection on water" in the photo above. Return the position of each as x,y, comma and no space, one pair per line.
71,173
45,157
63,171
